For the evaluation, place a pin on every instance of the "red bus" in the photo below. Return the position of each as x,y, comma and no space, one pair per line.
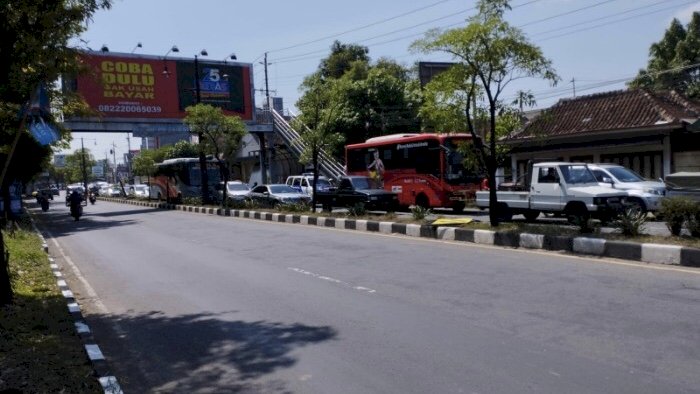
424,169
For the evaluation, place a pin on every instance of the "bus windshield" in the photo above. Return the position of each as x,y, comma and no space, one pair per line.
455,171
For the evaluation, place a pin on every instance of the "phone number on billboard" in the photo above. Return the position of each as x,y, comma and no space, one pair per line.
129,108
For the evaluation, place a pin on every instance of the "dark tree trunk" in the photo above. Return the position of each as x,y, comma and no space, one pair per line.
6,294
314,161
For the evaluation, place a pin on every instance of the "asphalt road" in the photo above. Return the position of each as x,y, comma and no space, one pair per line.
183,302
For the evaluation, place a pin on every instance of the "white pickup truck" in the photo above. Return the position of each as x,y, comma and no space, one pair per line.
560,188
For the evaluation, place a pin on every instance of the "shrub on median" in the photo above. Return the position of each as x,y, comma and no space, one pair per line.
677,211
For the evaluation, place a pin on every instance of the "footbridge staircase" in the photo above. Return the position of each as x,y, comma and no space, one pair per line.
328,165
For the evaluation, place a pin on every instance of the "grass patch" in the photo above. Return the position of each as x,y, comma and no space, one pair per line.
40,352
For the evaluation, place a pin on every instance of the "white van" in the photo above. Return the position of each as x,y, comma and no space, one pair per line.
304,183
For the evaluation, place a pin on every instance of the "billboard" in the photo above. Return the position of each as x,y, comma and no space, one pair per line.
427,70
131,86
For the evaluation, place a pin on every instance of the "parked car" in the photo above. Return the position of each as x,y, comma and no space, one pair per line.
138,190
684,184
304,183
354,190
642,194
113,191
237,190
277,194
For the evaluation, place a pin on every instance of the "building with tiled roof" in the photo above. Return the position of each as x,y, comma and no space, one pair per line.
653,133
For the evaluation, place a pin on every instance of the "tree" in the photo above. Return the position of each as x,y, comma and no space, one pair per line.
674,62
34,49
144,164
490,54
221,136
342,58
375,98
76,167
320,113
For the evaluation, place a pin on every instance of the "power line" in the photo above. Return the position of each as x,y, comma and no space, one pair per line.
304,56
616,21
361,27
386,34
566,13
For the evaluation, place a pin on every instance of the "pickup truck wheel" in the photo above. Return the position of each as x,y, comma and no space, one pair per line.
458,207
531,216
327,208
636,205
577,214
504,213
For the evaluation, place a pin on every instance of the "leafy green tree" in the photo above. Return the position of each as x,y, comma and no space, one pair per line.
490,54
375,98
674,61
180,149
342,59
75,166
321,110
33,49
144,164
220,136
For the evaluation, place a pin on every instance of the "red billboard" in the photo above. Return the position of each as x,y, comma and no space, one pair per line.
128,86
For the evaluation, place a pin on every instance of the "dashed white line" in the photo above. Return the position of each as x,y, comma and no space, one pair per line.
333,280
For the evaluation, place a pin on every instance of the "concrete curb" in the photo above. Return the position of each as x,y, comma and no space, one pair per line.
101,369
589,246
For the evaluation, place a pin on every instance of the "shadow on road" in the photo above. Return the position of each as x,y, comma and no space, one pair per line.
128,212
203,352
60,223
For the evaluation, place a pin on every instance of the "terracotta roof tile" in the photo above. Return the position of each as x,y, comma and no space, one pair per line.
616,110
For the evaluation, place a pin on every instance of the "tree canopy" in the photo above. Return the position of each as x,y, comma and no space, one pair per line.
489,55
373,98
34,49
674,61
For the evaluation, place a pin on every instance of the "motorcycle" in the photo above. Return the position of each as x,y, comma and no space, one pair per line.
76,210
92,198
43,202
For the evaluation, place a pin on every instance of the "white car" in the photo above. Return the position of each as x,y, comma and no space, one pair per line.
646,195
304,183
237,190
138,190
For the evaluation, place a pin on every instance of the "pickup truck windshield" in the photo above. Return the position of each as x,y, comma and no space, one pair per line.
361,183
577,174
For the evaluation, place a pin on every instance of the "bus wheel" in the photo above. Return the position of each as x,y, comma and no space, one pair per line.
422,201
458,207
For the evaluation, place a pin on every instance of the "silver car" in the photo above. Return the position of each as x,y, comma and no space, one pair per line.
644,194
277,194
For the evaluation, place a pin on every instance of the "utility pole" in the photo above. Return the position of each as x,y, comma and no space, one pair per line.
82,156
114,157
573,82
128,156
261,136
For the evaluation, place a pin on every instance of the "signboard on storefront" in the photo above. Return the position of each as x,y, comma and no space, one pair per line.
130,86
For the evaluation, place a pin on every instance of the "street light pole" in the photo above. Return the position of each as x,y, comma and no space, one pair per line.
200,136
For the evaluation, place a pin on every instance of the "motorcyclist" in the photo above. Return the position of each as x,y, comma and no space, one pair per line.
75,200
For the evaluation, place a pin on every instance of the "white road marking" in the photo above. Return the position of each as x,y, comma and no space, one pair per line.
329,279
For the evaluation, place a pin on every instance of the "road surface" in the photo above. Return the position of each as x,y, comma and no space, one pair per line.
183,302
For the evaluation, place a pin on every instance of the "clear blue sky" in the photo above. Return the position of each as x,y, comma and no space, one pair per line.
593,41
